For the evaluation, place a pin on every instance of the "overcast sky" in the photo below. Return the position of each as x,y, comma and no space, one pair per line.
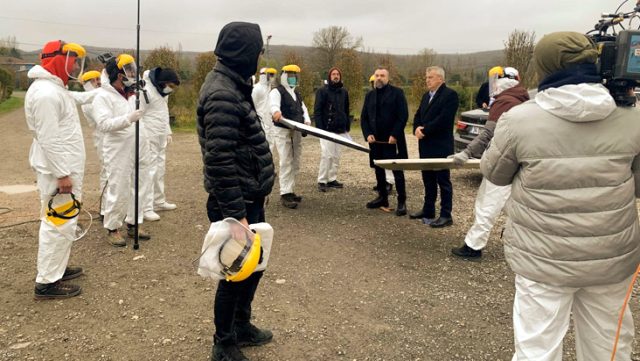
395,26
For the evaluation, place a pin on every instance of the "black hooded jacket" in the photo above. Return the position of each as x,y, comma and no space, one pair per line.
238,166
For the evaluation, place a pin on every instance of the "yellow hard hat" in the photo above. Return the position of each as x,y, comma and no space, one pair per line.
496,71
91,74
249,262
372,78
271,71
291,68
75,48
124,59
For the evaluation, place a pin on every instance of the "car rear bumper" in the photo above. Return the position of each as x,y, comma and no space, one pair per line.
459,143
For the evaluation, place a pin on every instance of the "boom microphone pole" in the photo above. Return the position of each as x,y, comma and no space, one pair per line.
137,176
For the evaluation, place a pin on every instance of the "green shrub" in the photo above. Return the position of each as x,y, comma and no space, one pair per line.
6,84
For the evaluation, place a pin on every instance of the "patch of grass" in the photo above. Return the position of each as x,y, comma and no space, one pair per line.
184,128
10,104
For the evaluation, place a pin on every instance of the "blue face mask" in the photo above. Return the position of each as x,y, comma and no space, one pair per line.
292,81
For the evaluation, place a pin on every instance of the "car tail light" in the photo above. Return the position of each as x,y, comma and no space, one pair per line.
461,125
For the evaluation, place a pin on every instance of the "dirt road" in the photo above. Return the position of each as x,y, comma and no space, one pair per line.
358,284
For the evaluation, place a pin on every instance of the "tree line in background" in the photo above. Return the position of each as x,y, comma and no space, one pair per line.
335,46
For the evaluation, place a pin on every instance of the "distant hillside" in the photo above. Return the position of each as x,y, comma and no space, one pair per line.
477,63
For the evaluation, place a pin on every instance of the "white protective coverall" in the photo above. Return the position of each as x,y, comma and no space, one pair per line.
98,137
288,142
57,151
260,95
491,198
111,111
157,130
488,206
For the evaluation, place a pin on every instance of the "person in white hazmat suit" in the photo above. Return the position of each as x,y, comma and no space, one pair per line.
287,102
159,83
115,114
90,82
260,96
57,156
505,89
572,235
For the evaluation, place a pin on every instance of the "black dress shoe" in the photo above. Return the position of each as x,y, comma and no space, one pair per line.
417,215
335,184
322,187
378,202
402,209
466,252
442,222
296,198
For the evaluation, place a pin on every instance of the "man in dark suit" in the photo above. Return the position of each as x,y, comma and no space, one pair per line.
433,126
383,118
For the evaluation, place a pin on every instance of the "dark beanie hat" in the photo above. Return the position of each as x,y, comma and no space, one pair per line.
167,75
239,46
562,50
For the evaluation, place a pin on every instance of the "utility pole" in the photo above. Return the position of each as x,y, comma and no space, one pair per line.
269,54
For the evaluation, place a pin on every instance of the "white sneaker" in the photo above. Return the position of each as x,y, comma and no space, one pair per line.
151,216
166,206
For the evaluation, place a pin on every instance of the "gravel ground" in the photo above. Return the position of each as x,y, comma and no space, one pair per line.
352,284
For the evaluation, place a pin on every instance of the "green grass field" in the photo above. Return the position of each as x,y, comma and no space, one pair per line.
10,104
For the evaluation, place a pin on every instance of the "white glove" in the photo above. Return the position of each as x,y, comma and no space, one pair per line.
460,158
307,122
135,116
169,139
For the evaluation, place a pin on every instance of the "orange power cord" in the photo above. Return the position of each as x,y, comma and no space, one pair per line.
624,307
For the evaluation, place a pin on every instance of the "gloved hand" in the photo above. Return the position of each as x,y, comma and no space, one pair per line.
307,122
169,139
135,116
460,158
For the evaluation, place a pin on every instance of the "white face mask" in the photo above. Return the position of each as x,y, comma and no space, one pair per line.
88,86
167,90
127,82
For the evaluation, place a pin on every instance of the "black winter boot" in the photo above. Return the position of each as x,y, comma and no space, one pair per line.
402,208
250,335
380,201
467,252
227,353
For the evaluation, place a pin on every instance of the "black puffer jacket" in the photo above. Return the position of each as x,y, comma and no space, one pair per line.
238,166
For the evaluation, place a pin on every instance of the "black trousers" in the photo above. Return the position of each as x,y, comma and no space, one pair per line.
232,305
432,179
381,180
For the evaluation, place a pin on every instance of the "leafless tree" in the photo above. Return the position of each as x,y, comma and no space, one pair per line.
518,52
330,42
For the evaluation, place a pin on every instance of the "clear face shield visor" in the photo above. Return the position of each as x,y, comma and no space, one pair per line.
74,65
494,74
64,207
130,71
239,254
289,78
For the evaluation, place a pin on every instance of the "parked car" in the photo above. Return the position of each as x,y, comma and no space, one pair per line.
468,126
471,123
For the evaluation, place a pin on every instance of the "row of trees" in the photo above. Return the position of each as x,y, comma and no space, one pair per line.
335,46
